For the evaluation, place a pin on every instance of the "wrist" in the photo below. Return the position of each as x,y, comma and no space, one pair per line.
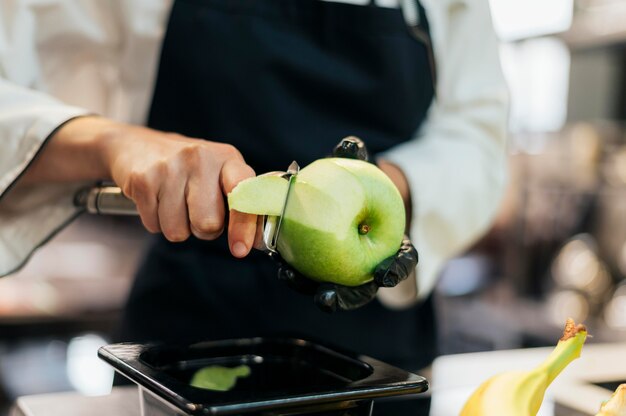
74,152
108,138
399,179
89,138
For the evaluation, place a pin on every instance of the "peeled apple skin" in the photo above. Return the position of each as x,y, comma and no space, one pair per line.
520,393
255,195
218,378
343,217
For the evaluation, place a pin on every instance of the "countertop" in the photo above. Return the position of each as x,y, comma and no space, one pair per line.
454,378
123,401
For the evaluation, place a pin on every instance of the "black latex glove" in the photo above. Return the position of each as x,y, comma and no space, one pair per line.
330,296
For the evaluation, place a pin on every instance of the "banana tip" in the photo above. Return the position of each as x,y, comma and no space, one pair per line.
571,329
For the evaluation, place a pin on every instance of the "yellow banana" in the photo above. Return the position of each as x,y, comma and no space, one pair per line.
616,405
520,393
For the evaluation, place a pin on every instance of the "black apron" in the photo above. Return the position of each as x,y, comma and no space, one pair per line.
280,80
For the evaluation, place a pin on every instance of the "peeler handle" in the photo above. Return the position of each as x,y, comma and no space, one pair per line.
105,200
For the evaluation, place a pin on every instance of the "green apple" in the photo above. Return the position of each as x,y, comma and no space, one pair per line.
343,217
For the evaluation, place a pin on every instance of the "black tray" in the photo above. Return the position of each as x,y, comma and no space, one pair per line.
286,373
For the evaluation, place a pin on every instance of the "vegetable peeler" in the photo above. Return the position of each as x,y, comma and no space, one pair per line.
108,199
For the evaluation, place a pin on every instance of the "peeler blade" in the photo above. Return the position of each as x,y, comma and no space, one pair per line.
272,224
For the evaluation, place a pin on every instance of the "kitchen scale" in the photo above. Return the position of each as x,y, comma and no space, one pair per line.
287,377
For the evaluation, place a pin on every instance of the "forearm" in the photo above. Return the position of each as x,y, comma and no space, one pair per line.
74,152
177,183
399,179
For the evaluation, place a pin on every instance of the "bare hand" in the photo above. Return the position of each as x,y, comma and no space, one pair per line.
178,183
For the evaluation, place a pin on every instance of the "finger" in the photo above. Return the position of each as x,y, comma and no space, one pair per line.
350,298
147,209
292,278
142,189
149,215
205,205
409,252
172,211
397,268
241,227
385,274
259,244
393,271
326,298
296,281
241,233
351,147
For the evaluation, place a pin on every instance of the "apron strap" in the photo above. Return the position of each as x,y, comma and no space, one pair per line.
412,16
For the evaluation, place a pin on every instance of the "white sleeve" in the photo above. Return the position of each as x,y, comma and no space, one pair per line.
98,55
29,215
455,165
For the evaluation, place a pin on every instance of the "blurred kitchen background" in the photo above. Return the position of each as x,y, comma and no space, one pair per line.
557,249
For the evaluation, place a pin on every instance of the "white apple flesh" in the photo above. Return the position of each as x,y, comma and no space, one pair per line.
343,217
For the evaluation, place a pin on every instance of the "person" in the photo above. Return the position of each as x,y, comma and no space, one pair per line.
178,101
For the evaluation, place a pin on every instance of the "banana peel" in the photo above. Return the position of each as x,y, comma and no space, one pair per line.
520,393
616,405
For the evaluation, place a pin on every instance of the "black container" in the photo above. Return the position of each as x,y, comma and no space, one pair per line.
288,377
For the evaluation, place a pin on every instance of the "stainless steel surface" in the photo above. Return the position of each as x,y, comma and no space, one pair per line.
105,200
271,224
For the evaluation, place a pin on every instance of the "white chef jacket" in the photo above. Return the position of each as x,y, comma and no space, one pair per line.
64,58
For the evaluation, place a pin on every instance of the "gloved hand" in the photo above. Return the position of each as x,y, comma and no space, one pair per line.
330,296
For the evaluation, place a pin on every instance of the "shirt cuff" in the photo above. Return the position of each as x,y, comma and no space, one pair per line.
456,186
31,215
